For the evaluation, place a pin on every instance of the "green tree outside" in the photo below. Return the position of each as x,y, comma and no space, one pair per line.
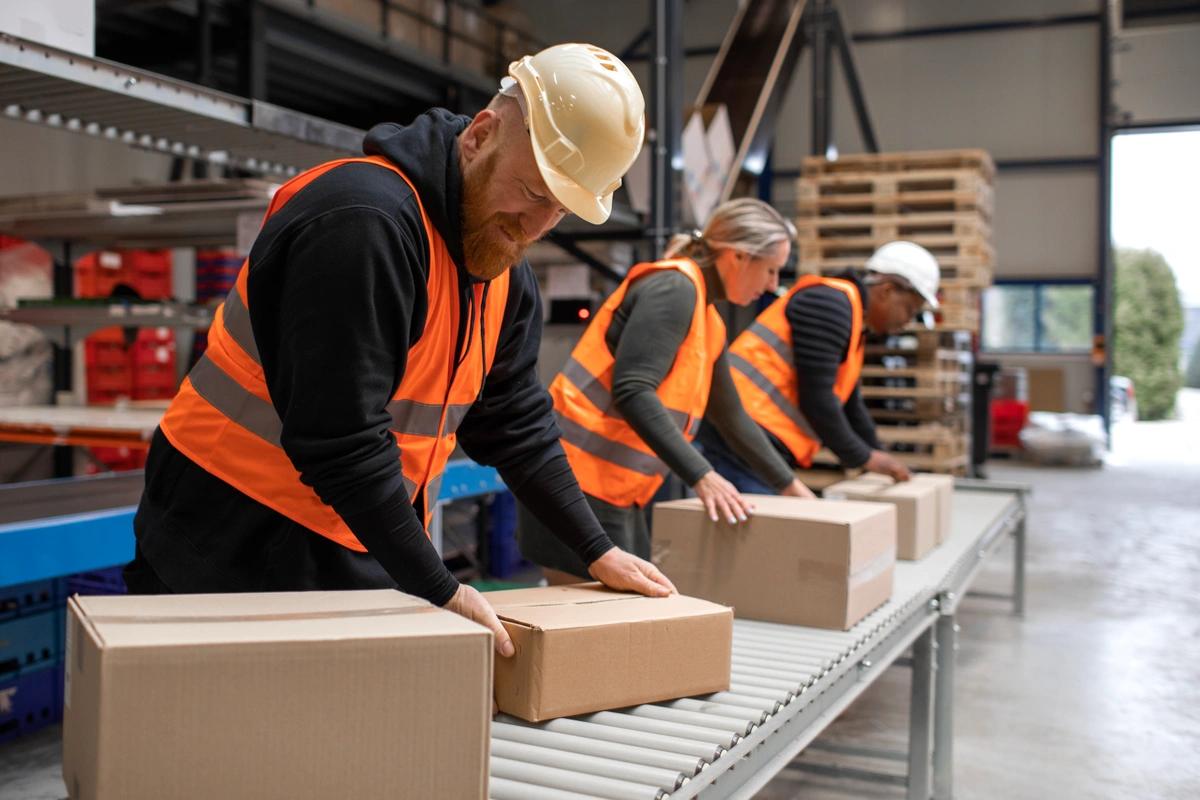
1147,325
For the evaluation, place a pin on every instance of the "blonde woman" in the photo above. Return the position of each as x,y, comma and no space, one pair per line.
651,365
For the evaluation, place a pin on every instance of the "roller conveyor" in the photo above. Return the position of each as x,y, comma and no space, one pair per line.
789,683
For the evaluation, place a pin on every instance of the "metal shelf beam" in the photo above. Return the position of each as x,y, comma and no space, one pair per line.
92,96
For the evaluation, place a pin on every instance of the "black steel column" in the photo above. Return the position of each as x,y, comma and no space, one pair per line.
64,289
850,71
256,51
204,43
666,120
822,61
1103,307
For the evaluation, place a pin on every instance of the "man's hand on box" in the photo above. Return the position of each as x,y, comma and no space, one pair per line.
887,464
469,603
618,569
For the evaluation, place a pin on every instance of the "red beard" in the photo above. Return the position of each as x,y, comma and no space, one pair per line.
486,248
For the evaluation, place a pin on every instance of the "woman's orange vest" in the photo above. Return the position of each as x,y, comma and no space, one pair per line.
223,418
610,460
765,373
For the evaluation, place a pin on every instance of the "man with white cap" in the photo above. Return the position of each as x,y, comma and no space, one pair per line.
797,367
384,316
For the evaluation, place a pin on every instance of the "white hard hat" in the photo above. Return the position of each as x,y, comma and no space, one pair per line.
586,119
911,262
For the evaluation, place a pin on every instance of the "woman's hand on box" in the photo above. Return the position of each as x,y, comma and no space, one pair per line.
721,500
618,569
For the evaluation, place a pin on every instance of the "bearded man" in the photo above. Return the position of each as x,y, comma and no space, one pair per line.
384,316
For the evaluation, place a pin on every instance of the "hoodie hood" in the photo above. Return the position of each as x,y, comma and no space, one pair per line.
427,152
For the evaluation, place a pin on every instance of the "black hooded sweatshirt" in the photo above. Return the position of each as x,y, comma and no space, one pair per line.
337,292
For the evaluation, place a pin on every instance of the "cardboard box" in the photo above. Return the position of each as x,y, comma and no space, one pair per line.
803,562
290,695
917,520
585,648
944,485
701,181
719,136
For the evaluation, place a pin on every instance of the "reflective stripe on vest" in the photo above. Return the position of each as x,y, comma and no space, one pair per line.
610,460
764,370
223,418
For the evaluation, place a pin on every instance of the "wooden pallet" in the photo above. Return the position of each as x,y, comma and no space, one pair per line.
825,460
955,317
876,376
957,271
915,405
973,158
946,248
942,359
920,342
888,227
931,446
892,193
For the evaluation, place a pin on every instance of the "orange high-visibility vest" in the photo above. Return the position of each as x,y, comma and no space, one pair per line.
223,418
610,460
765,372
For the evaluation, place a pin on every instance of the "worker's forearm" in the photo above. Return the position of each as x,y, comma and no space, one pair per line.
395,536
650,420
553,495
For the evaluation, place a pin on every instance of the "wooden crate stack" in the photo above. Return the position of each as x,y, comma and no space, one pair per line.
918,385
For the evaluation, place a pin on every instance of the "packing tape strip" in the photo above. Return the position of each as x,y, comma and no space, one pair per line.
143,619
873,568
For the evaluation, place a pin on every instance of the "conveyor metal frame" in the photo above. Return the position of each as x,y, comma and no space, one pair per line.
924,621
752,732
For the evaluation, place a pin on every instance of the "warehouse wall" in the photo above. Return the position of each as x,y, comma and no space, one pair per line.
1156,70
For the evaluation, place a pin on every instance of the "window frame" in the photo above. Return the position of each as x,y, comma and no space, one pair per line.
1038,285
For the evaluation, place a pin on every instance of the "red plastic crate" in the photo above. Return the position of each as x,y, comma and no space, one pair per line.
1008,419
155,375
107,384
147,272
106,348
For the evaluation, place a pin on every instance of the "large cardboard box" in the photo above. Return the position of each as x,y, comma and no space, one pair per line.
803,562
917,515
943,484
366,694
585,648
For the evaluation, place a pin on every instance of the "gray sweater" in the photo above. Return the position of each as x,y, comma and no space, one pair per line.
646,333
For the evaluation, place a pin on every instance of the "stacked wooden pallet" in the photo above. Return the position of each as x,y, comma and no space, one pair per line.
942,200
917,387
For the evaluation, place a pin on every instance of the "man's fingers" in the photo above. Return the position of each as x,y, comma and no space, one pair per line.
642,584
504,645
710,504
659,578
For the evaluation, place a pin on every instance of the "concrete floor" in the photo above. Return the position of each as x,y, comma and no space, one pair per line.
1096,693
1093,695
